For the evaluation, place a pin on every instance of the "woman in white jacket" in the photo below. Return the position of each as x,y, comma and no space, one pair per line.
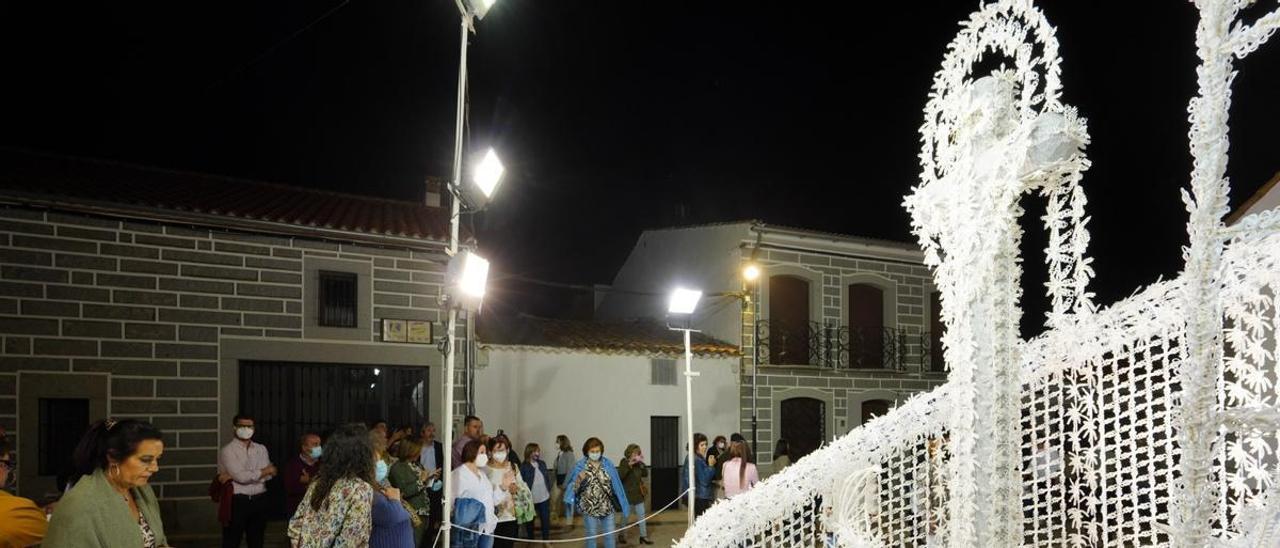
470,481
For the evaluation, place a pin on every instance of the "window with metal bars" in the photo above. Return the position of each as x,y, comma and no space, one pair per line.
662,371
337,298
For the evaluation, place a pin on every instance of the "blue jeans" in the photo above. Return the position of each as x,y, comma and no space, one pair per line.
486,541
599,526
544,520
638,511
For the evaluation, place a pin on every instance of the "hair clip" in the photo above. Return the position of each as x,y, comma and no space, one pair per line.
111,423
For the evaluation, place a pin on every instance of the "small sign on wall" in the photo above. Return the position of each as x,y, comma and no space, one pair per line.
410,331
420,331
394,330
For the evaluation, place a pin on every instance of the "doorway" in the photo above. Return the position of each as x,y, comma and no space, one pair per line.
288,399
804,423
664,471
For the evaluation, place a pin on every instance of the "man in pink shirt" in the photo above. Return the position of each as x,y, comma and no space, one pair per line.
249,467
472,429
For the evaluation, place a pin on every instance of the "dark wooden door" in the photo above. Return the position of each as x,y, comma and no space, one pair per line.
875,408
866,326
804,425
664,454
935,332
788,320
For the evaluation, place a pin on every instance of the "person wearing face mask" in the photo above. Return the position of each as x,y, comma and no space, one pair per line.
249,466
300,470
503,471
534,473
597,492
633,472
470,480
346,505
111,504
432,460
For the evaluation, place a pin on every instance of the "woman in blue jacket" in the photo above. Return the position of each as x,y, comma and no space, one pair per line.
534,473
703,472
594,488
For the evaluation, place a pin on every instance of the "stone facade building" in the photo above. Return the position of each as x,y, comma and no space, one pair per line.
183,298
848,326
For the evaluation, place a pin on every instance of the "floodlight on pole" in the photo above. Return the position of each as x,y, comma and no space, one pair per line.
680,307
683,301
476,8
467,275
488,173
751,273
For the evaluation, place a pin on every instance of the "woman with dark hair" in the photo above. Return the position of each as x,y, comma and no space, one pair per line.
781,455
470,481
345,506
703,493
502,471
412,480
596,490
564,464
111,504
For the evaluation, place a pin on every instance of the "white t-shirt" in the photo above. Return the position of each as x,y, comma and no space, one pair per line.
540,494
466,484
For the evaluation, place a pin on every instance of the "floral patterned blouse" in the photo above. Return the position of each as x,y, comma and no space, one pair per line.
344,520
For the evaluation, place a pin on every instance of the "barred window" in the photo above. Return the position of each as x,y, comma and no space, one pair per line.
337,299
662,371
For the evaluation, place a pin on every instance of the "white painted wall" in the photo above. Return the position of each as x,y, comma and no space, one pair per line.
534,395
706,258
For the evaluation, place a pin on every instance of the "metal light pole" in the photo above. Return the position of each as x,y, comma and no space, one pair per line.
455,210
680,318
751,274
688,402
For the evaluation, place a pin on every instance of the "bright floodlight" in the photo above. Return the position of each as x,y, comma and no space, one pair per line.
751,273
468,274
683,301
475,272
479,7
488,173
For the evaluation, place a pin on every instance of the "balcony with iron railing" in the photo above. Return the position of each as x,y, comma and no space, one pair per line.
848,347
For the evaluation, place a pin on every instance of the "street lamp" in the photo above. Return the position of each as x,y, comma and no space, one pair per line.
751,275
467,272
680,308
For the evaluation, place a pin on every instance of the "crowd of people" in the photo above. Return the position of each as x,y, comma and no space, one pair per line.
367,486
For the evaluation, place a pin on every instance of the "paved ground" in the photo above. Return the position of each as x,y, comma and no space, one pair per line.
663,529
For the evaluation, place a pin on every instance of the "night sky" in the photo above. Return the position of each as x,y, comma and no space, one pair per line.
616,116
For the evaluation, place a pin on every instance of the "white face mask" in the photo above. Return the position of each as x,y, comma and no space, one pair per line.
594,455
244,432
499,456
482,460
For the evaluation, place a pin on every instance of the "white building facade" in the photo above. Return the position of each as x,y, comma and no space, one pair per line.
848,326
623,383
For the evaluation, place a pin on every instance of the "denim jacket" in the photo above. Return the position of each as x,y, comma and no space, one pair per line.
704,474
570,497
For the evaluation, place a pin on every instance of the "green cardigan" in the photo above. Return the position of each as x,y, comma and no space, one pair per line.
93,514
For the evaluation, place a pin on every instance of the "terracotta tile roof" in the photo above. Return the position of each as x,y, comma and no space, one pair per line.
770,227
645,337
28,174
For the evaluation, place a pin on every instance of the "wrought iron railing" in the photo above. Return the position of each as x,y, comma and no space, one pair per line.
833,346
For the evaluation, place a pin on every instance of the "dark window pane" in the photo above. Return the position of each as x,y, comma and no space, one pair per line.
62,422
337,298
